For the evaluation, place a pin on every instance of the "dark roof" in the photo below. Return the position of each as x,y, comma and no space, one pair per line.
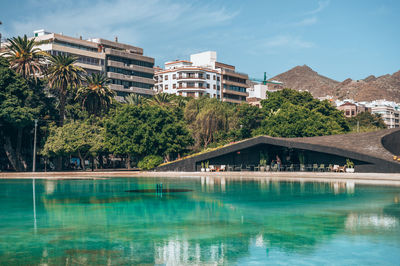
368,147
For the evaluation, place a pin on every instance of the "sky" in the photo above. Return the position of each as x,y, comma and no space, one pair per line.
338,39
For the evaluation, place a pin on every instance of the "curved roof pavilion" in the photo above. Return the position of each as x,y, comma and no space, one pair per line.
370,152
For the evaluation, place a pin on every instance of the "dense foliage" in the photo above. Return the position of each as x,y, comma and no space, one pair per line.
79,139
290,113
366,122
150,162
137,131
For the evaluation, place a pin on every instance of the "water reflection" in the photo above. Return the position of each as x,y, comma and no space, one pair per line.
220,221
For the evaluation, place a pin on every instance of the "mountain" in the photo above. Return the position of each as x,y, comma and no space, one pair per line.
371,88
304,78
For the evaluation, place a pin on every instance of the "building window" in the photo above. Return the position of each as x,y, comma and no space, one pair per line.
214,87
208,76
174,76
218,87
166,77
347,112
166,87
174,86
218,78
215,96
214,77
352,112
208,86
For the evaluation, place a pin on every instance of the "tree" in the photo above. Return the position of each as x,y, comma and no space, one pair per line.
24,57
246,118
135,99
289,113
207,118
367,122
20,103
162,99
138,131
76,138
96,97
297,121
63,77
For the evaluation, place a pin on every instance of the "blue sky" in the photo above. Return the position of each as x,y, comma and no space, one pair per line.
338,39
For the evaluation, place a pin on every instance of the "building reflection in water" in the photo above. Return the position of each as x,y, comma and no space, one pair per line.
219,222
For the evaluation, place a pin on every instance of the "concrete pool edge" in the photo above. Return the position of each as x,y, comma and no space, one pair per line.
358,178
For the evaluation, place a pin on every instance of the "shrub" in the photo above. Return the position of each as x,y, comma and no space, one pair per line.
150,162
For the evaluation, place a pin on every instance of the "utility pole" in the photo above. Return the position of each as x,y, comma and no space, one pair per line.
34,148
358,126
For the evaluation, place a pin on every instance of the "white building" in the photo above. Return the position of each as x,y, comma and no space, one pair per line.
202,75
185,79
389,114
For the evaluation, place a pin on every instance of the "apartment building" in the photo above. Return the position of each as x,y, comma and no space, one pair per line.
389,114
182,78
125,65
203,75
234,84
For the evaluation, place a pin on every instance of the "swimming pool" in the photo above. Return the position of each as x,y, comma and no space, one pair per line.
197,221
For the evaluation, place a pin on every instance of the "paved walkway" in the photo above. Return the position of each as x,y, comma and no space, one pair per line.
359,178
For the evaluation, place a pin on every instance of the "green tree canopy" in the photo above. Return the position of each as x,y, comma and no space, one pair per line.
367,121
290,113
137,131
77,138
96,96
21,101
207,119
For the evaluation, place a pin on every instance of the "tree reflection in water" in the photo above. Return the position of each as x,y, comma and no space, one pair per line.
212,220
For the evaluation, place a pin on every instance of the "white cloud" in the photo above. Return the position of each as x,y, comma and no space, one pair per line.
321,6
305,22
287,41
132,20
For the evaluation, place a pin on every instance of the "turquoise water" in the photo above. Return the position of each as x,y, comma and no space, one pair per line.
219,221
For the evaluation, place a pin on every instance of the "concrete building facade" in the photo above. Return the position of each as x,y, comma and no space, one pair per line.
125,65
225,82
182,78
389,114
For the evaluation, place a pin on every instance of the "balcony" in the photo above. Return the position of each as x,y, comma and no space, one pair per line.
132,89
191,78
112,63
227,91
113,75
124,54
191,88
233,73
233,100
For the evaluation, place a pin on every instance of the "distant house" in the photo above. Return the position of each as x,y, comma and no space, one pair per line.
351,109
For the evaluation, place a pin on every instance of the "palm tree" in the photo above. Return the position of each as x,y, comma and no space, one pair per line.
63,76
135,99
162,99
96,96
24,57
27,60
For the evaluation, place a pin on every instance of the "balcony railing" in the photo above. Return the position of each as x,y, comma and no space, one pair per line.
191,87
191,77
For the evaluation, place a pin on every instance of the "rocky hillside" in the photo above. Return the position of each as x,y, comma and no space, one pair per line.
371,88
304,78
